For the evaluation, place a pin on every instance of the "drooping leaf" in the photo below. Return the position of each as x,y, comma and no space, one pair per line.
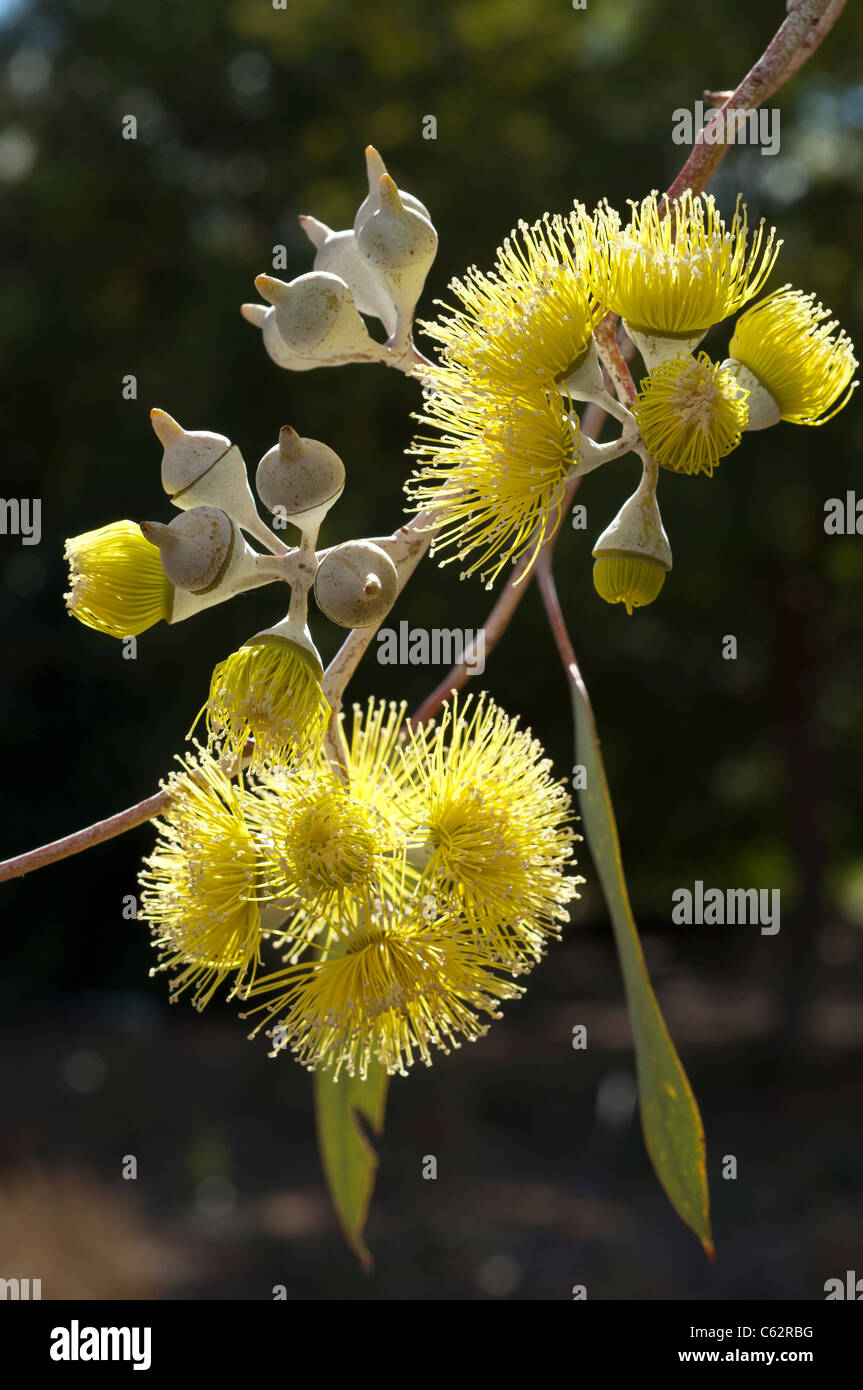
670,1117
349,1160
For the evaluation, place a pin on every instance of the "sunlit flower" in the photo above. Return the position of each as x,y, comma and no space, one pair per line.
496,842
691,413
529,321
270,691
117,582
320,840
393,983
204,882
798,358
371,753
676,268
493,482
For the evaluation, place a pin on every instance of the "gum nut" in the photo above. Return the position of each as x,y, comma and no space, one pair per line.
298,474
188,453
194,548
356,584
395,238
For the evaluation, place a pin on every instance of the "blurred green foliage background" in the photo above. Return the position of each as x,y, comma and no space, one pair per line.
133,257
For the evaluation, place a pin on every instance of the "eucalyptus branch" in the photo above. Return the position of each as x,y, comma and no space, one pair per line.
554,613
816,36
807,24
786,53
95,834
615,362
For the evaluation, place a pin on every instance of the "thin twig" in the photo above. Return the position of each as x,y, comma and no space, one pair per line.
556,621
84,839
787,51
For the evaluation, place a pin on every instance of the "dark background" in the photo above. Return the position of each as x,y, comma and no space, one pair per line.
122,257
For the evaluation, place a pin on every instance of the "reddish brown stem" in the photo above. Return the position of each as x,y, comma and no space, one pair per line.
793,43
85,839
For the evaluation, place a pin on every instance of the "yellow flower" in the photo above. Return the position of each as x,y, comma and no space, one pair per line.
204,883
691,413
494,481
393,983
320,840
796,357
529,322
269,691
496,840
633,580
676,268
117,582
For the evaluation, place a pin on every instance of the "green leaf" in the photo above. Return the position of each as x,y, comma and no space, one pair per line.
669,1112
349,1160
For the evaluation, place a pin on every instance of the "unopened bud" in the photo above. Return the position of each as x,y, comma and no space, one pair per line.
200,469
400,245
316,315
375,169
195,548
356,584
337,253
300,479
274,343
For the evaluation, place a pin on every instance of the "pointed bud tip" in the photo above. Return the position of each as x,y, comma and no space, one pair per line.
316,231
374,166
166,428
389,194
270,288
291,446
254,314
156,532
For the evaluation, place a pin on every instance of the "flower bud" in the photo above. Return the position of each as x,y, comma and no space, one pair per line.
356,584
274,343
206,560
399,244
300,479
316,315
195,548
204,469
633,555
375,169
337,253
